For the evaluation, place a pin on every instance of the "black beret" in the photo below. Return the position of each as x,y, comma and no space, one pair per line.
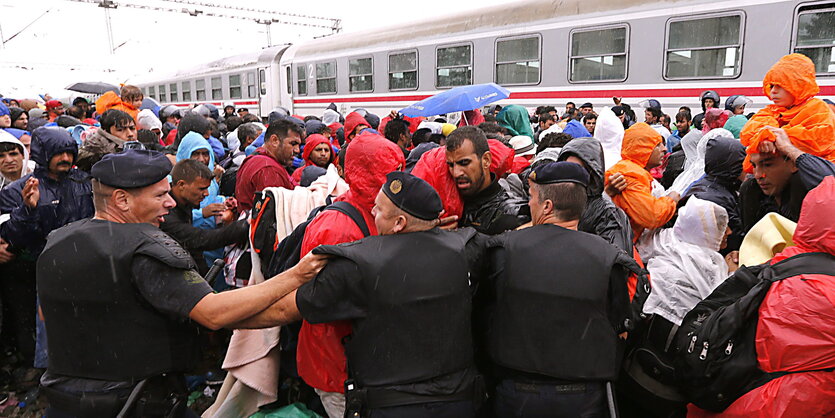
131,169
413,195
560,172
586,104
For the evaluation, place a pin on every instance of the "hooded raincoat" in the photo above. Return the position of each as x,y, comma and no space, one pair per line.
312,142
111,100
809,122
684,261
644,210
609,131
321,355
694,167
61,201
735,124
516,120
576,129
601,217
353,120
796,327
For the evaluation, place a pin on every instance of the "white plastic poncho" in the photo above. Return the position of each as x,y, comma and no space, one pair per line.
609,131
694,150
684,262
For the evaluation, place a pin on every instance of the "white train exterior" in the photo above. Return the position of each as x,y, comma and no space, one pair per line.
544,52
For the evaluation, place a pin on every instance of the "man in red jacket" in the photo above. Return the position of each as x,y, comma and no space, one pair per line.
321,355
266,167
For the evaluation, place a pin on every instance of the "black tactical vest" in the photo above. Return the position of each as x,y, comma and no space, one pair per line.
551,310
98,324
419,307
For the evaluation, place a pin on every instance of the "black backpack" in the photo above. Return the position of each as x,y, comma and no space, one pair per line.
716,359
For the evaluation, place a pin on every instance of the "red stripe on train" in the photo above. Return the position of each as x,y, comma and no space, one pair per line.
655,93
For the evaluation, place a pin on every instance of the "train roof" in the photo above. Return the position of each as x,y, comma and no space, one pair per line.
479,20
247,59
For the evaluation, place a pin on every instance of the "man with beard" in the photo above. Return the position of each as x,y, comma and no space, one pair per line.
487,207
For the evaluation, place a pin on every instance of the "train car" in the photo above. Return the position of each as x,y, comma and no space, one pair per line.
246,80
551,52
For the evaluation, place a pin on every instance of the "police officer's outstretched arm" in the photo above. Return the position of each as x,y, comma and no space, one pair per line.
232,309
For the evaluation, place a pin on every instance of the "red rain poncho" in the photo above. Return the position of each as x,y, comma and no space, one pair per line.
312,142
796,327
809,123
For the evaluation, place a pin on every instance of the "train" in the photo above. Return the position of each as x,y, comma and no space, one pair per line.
546,52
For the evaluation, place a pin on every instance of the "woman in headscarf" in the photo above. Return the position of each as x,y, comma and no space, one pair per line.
516,120
714,118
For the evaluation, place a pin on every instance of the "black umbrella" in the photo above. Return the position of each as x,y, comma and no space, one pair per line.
93,87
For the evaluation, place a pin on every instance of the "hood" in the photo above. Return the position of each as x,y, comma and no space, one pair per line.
191,122
353,120
330,117
367,161
723,159
417,152
147,120
701,223
690,142
502,161
609,131
815,229
638,142
576,129
193,142
735,123
591,152
373,120
516,120
313,126
10,138
15,113
311,142
471,117
715,118
795,73
694,165
47,141
108,100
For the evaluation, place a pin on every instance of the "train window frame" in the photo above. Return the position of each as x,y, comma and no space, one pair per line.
810,8
625,53
334,78
152,92
303,81
496,62
185,90
239,86
351,76
471,64
198,90
163,93
701,16
416,70
219,88
251,91
288,69
173,92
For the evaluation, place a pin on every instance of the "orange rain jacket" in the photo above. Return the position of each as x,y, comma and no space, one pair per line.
111,100
644,210
809,123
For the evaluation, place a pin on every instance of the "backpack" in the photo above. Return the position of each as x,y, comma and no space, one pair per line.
716,359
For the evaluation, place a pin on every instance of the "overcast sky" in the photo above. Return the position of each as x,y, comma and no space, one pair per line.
67,41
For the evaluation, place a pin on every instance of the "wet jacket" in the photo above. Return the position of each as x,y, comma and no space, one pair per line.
644,210
720,184
796,327
257,172
492,211
516,120
576,129
311,142
353,120
601,217
111,100
809,123
321,355
97,146
61,201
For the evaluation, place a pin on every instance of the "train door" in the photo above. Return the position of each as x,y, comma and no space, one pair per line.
286,89
264,93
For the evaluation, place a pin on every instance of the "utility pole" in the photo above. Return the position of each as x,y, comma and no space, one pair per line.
107,5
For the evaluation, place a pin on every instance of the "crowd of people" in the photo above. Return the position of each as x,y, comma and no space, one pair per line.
506,262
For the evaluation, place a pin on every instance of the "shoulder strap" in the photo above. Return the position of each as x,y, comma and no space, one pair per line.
353,213
807,263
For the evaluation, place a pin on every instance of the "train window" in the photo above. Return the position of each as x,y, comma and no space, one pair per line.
152,92
235,86
200,89
704,48
360,74
289,79
250,84
815,38
162,94
403,71
326,77
172,91
217,93
186,91
301,80
454,66
517,60
598,54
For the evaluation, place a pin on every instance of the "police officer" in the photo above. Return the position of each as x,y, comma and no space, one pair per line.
120,299
408,296
559,301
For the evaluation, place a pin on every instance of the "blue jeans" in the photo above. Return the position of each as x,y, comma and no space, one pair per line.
539,399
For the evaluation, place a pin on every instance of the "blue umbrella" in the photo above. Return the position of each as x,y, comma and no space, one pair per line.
457,99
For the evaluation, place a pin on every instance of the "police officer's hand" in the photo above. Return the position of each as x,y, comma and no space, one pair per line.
31,193
310,265
616,185
215,209
5,255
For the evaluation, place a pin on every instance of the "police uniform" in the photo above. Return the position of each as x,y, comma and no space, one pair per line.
409,299
558,301
116,299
